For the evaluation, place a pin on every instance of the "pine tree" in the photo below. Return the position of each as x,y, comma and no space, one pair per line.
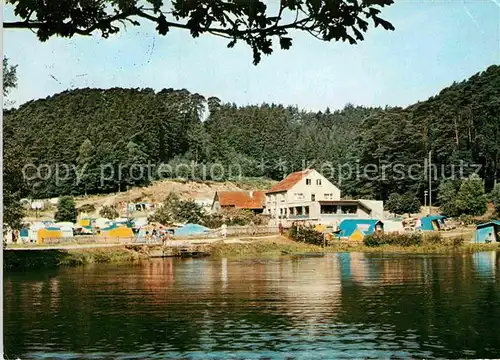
66,209
495,198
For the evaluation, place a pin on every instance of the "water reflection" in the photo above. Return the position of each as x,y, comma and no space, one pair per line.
341,305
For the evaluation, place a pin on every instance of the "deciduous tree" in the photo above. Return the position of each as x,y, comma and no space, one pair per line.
471,199
253,22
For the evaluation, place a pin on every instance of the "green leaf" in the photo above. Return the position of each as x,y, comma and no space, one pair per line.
162,25
285,43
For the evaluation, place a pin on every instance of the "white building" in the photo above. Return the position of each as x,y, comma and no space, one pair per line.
307,195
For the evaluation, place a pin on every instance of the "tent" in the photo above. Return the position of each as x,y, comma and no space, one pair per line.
320,228
51,232
432,222
393,226
102,223
140,222
483,231
85,221
24,234
114,231
190,229
357,229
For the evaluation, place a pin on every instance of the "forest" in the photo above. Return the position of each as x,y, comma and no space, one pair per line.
64,142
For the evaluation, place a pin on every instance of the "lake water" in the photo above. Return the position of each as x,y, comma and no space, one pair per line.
337,306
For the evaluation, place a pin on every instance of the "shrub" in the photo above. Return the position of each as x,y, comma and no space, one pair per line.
306,234
433,238
466,219
457,241
86,208
235,217
393,239
108,212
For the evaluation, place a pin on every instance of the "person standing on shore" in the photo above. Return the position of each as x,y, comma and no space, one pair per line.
223,230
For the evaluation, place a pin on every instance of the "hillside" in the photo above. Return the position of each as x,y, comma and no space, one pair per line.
158,191
128,131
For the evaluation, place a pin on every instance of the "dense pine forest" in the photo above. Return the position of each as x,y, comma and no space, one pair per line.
83,130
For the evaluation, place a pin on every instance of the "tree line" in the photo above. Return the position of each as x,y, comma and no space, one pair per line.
129,129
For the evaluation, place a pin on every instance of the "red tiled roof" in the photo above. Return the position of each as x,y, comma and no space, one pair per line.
289,181
242,199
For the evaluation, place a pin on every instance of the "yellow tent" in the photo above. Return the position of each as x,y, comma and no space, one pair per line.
84,222
357,235
118,232
320,228
48,233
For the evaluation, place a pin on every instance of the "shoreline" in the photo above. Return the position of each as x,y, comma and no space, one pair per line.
47,257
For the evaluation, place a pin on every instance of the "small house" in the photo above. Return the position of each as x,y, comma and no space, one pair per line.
357,229
487,232
245,200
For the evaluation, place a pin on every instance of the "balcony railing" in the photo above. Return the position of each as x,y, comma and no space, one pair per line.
297,217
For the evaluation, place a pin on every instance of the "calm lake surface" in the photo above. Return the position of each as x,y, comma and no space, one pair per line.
337,306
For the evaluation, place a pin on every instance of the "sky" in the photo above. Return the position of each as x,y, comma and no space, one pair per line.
436,42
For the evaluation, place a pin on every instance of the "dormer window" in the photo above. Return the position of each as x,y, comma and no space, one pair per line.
308,181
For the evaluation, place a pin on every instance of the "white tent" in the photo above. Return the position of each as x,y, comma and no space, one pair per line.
140,221
102,222
66,228
65,224
33,231
393,226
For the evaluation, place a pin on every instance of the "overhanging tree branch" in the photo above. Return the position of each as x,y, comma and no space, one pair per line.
248,21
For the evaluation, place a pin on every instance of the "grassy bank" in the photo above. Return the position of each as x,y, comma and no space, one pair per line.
46,258
279,246
287,247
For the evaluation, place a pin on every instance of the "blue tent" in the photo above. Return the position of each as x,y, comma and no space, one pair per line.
24,233
190,229
432,222
483,232
367,226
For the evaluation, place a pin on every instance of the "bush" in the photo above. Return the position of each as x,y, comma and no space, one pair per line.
235,217
86,208
393,239
466,219
457,241
108,212
306,234
433,238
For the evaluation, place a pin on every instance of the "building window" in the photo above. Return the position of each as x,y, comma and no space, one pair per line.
328,209
348,209
291,211
318,181
298,210
313,197
281,211
299,196
328,196
306,208
308,181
